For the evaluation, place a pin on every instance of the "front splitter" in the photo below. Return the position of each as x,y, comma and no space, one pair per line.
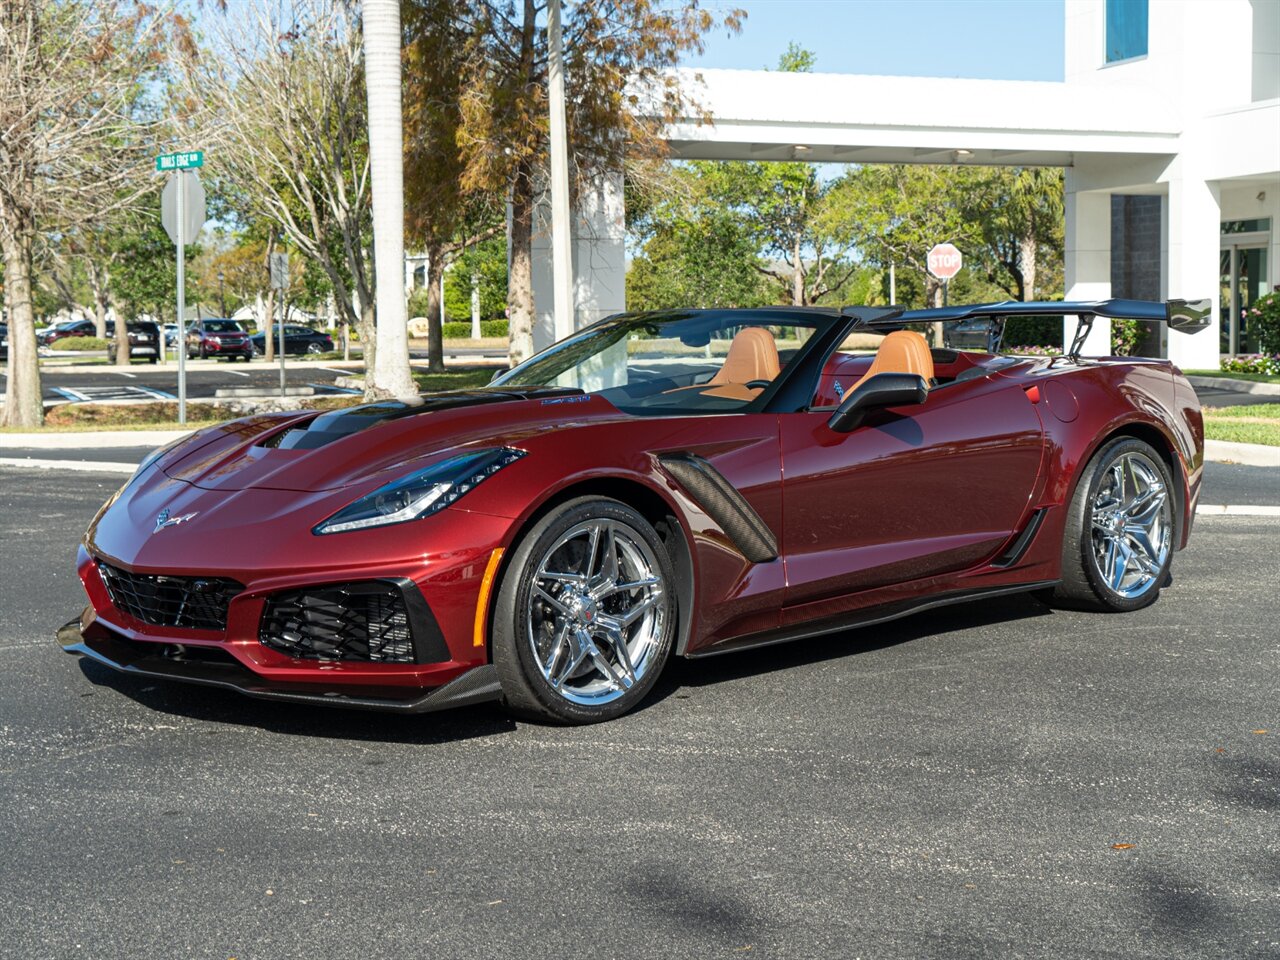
477,685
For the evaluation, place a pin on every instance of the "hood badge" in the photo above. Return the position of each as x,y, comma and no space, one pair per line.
167,519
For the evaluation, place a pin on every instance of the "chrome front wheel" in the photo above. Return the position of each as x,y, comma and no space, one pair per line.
595,614
585,617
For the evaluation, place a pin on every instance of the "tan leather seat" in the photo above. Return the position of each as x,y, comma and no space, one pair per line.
753,355
903,351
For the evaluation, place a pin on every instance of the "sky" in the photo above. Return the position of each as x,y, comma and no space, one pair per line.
983,39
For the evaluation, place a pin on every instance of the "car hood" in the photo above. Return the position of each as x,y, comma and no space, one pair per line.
315,452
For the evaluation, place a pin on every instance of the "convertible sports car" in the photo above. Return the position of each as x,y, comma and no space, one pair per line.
679,483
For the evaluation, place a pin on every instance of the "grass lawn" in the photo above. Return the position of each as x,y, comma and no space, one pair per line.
1247,423
1231,375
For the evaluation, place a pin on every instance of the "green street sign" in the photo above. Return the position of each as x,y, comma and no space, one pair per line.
180,161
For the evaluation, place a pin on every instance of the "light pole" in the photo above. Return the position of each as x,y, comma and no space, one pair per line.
222,297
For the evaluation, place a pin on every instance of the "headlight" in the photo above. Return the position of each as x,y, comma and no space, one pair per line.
420,494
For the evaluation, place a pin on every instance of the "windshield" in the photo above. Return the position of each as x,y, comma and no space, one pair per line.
675,363
222,326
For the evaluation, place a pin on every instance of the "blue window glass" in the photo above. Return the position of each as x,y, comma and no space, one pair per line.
1126,29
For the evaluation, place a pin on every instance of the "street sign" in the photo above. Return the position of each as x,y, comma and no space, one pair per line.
945,261
279,264
193,206
180,161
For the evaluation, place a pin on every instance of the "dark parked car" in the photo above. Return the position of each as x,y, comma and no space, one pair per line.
4,342
552,540
218,337
144,342
296,340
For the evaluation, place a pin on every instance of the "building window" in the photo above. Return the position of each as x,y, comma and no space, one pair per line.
1126,29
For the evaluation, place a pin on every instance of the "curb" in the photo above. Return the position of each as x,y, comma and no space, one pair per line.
1236,386
74,440
1250,454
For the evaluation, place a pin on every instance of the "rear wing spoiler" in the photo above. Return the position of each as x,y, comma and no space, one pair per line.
1185,316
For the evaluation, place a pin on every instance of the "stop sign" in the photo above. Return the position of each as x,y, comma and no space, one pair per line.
945,261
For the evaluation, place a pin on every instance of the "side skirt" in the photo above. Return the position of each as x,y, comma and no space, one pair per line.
866,618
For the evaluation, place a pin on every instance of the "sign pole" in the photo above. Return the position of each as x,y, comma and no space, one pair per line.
282,387
182,299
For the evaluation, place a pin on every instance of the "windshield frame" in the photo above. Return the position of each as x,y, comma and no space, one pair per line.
786,393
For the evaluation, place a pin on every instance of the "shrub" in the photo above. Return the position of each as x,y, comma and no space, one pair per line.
1034,350
79,343
1125,337
1255,363
1034,331
461,331
1264,318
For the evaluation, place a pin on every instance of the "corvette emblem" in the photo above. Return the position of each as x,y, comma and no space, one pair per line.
166,519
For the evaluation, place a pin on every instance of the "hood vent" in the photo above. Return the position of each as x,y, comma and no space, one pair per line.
336,424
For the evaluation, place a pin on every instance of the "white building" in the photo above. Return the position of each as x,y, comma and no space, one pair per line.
1167,123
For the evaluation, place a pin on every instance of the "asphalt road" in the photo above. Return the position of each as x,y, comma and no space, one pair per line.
954,785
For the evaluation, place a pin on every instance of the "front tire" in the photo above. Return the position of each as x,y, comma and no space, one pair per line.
1118,543
586,614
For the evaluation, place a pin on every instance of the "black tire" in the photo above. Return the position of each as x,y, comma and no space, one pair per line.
314,347
527,690
153,359
1084,586
204,354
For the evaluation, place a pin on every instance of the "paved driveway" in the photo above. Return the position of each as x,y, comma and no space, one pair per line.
989,780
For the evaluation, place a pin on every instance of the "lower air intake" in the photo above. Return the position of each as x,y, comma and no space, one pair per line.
346,621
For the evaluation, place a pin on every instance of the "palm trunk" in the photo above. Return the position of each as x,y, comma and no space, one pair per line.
520,305
23,405
435,333
797,276
1027,262
388,371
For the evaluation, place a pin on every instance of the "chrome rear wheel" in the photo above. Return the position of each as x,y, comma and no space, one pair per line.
1132,522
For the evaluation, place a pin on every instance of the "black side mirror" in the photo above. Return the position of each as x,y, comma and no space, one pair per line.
873,393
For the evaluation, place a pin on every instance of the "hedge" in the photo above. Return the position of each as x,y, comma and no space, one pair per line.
462,330
1033,331
79,343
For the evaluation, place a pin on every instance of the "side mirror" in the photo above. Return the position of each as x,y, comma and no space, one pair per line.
873,393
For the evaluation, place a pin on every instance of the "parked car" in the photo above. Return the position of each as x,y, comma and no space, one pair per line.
4,341
144,341
171,334
296,340
552,540
68,328
218,337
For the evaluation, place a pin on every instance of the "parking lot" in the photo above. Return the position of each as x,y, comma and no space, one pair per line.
987,780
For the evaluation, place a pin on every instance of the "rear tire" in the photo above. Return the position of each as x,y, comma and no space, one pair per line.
585,617
1118,543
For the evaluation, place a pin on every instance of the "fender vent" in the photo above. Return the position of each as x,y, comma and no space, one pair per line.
723,504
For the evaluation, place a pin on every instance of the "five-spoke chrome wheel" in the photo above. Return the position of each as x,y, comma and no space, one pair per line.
595,613
586,613
1132,523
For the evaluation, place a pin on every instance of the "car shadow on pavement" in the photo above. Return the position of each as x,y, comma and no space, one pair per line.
847,643
224,706
221,706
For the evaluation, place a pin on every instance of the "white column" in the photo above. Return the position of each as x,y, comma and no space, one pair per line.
599,258
1087,261
1194,227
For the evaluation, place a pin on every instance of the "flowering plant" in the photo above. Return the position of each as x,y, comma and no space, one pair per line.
1035,351
1253,363
1263,317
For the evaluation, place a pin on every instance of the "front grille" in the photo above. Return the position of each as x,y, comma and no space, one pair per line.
196,603
346,621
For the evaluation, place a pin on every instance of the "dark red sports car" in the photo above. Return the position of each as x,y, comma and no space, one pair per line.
679,483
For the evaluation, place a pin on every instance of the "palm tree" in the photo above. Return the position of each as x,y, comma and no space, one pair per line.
390,374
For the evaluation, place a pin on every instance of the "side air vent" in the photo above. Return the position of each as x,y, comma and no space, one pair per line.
723,504
1013,553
